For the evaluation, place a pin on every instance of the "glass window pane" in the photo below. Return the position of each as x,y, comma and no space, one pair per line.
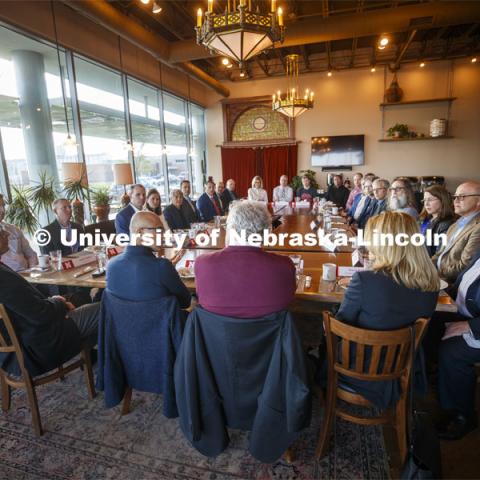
176,138
102,116
145,121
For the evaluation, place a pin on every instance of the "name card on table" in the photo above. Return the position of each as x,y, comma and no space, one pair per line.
357,258
348,271
77,260
302,204
114,251
281,204
328,244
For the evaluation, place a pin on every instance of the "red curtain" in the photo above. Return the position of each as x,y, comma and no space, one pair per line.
242,164
239,164
278,161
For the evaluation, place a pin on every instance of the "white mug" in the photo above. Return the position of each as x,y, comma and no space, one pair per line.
44,261
334,210
329,272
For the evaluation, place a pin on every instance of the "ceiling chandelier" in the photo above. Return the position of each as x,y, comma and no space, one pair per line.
239,32
291,103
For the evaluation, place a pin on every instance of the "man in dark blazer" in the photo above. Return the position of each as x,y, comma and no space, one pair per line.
228,194
63,213
50,330
458,353
137,196
208,204
137,275
173,213
189,209
379,205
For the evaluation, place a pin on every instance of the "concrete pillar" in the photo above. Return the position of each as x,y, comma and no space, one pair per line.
35,113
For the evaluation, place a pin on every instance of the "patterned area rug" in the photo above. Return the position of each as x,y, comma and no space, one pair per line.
83,440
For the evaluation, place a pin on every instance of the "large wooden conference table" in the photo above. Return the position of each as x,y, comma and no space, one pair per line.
319,292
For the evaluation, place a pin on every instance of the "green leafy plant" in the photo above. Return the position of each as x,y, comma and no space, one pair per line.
401,128
100,196
19,211
42,194
296,182
75,190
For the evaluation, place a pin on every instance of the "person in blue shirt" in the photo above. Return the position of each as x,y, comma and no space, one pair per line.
137,196
137,275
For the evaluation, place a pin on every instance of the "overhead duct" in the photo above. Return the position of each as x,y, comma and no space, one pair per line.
315,29
102,13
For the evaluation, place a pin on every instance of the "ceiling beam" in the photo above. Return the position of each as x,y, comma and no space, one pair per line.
306,61
404,49
341,27
263,66
354,48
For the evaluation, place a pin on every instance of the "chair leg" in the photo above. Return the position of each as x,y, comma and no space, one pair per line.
127,398
88,372
401,427
328,419
32,400
5,393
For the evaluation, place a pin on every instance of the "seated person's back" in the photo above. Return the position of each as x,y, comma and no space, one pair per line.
245,281
137,275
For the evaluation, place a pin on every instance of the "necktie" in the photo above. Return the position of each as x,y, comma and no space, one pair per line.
217,208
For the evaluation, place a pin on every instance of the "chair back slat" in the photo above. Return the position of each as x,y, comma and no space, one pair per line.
359,358
378,354
14,345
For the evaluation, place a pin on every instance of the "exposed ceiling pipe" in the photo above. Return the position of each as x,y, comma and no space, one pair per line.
341,27
104,14
404,49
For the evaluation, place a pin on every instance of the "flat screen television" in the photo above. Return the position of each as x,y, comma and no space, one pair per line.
338,151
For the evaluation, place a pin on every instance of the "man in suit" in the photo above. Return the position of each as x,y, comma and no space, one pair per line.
244,281
137,275
458,352
463,237
361,202
50,329
189,208
137,196
63,213
174,214
219,192
208,204
229,194
379,205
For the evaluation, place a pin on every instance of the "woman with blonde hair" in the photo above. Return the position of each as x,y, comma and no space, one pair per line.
402,286
257,192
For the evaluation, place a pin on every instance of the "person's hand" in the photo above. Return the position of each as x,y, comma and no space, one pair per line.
70,306
177,257
455,329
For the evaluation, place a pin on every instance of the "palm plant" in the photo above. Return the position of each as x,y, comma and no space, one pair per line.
42,194
19,212
77,193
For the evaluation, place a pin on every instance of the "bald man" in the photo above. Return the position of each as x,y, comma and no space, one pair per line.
137,275
283,193
463,237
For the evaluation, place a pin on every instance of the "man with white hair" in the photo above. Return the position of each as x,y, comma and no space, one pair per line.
463,237
283,193
244,281
137,275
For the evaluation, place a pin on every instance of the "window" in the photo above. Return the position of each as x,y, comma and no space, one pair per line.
198,147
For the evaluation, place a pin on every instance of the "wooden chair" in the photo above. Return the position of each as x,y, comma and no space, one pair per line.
390,359
26,381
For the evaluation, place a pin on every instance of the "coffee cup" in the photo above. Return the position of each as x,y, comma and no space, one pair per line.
334,210
329,272
44,261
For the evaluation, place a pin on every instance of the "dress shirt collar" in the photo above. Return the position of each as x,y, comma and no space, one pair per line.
464,220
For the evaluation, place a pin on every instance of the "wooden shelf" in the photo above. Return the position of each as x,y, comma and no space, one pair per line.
418,102
446,137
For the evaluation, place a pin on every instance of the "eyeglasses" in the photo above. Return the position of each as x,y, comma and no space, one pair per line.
396,189
430,200
461,198
378,189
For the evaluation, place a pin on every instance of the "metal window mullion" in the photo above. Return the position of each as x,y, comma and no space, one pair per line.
4,180
188,133
163,141
128,124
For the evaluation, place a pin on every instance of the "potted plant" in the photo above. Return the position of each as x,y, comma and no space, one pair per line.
399,130
20,212
101,198
296,182
42,194
77,193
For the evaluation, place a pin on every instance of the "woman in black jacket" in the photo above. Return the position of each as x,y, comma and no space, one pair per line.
437,214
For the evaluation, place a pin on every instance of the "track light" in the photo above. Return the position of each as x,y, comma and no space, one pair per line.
242,74
156,8
329,73
474,60
383,41
422,64
372,69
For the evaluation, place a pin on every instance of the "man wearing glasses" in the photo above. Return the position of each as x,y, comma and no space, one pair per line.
379,205
463,237
402,197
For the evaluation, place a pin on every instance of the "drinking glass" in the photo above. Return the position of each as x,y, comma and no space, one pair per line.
56,260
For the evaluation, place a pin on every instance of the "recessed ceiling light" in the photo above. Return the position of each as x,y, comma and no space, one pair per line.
156,8
329,73
474,60
225,61
372,69
422,64
383,41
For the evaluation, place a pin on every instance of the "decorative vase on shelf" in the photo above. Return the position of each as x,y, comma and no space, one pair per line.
393,93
